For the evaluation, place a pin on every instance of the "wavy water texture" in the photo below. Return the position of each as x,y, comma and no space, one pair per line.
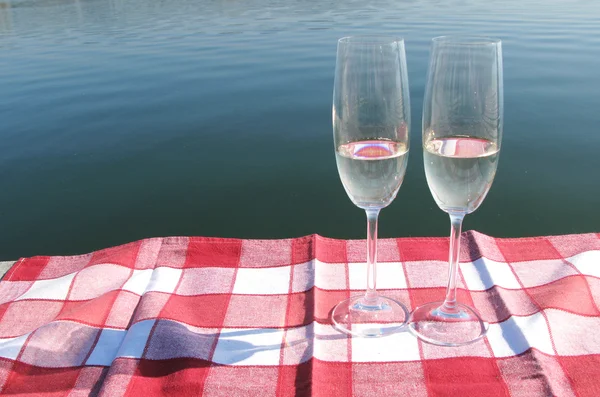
123,119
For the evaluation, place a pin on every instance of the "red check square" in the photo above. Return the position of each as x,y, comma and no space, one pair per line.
521,250
301,309
27,269
464,376
92,312
206,252
181,377
124,255
571,294
325,301
303,249
206,311
330,251
52,382
424,249
421,296
331,379
6,367
295,380
583,372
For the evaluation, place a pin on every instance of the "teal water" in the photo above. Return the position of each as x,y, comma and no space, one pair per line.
125,119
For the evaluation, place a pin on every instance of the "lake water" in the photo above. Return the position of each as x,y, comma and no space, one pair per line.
125,119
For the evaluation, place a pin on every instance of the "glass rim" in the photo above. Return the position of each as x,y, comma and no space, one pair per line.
466,40
371,39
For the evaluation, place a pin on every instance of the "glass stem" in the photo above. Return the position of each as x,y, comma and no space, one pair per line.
371,294
449,305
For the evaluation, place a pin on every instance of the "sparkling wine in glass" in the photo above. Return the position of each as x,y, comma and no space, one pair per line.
371,120
462,132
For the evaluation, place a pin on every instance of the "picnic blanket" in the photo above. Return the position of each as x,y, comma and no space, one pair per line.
191,316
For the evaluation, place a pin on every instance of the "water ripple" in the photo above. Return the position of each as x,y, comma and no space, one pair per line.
241,88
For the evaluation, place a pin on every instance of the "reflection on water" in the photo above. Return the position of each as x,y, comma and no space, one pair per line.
123,119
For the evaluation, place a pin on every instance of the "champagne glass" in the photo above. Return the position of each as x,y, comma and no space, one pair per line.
371,120
462,132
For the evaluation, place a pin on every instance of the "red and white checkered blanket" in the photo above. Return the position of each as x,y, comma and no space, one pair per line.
224,317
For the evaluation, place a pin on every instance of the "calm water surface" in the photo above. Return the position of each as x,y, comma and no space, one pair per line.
124,119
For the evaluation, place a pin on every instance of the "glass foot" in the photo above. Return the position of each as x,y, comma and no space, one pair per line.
461,326
379,317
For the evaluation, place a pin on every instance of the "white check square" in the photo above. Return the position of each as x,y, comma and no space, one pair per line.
573,334
136,339
298,345
267,281
587,263
484,273
541,272
390,275
53,289
138,281
304,276
329,343
11,347
330,276
401,346
107,347
164,279
248,346
517,334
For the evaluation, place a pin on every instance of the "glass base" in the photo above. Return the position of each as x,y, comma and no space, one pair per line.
461,326
378,317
